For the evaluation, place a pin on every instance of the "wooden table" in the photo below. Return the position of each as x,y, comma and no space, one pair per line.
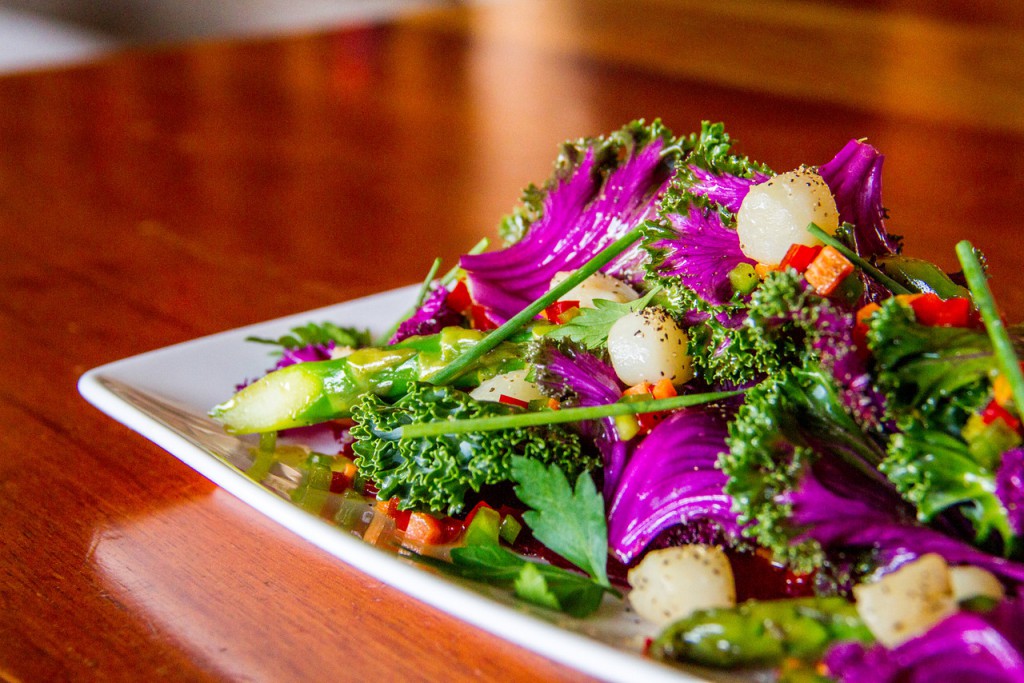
157,196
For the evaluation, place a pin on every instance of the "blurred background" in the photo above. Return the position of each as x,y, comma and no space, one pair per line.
40,33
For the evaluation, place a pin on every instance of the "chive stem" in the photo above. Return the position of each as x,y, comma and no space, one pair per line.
1006,356
861,262
420,297
460,364
544,417
447,278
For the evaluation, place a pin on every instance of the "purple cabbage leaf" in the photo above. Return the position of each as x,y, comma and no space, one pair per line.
964,647
433,315
671,479
601,190
855,177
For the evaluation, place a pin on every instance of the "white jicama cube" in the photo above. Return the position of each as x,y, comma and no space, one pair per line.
775,214
512,384
909,601
672,583
597,286
648,346
969,582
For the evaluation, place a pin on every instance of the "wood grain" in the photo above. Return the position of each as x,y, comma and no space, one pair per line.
157,196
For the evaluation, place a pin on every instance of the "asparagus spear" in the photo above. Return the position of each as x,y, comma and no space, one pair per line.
308,393
761,633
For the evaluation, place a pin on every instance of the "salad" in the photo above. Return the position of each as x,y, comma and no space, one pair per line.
719,392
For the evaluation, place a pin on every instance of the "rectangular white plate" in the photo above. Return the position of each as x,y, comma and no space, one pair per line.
164,395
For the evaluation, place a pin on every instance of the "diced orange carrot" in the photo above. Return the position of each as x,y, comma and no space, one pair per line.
827,270
640,389
1001,390
663,388
554,404
907,299
423,529
762,269
380,530
866,312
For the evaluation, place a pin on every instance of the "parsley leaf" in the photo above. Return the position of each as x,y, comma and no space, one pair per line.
569,522
531,586
533,582
322,333
590,328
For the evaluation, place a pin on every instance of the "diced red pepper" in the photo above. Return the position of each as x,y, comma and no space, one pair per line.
481,320
513,401
662,389
993,411
649,421
450,529
562,311
390,508
459,298
799,256
931,310
860,328
342,479
827,270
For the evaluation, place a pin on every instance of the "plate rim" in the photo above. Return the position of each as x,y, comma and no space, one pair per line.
526,629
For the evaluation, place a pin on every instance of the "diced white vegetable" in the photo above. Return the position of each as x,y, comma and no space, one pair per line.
774,215
647,346
512,384
907,602
341,352
974,582
672,583
597,286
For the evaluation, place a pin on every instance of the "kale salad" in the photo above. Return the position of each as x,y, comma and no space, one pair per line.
717,391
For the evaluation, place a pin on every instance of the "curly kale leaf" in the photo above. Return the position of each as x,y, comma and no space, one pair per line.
435,473
783,326
941,372
936,471
934,379
788,422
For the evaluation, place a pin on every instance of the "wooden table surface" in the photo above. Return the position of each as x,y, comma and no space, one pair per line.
160,195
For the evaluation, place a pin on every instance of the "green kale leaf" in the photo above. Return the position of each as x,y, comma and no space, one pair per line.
436,472
787,422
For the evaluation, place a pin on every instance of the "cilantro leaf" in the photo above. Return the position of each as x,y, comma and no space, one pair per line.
569,522
590,328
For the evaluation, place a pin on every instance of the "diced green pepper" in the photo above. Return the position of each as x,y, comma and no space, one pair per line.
484,529
743,278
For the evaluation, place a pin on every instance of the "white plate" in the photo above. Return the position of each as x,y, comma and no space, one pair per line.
164,395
